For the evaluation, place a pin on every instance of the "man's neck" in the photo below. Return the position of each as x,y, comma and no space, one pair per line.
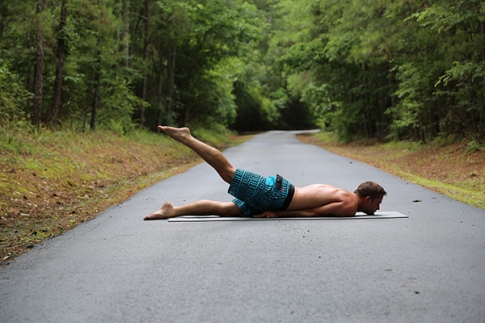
359,202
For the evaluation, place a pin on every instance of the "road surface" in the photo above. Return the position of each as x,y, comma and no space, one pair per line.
429,267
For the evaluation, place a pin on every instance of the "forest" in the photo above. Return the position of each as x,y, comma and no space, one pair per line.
364,69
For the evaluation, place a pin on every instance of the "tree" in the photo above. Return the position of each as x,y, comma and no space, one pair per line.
145,60
39,65
384,69
61,48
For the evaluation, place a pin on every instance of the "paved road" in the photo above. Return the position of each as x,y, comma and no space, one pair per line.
429,267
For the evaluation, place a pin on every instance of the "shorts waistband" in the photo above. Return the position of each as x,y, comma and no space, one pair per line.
289,197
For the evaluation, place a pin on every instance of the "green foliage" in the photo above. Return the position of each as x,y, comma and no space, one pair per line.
13,95
384,69
213,134
474,146
118,107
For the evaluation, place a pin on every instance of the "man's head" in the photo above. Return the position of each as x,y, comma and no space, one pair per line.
370,197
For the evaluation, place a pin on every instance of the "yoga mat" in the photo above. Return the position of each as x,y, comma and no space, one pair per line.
358,216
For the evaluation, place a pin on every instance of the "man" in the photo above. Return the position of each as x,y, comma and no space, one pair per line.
268,197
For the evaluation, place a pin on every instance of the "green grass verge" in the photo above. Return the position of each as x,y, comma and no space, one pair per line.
52,180
451,169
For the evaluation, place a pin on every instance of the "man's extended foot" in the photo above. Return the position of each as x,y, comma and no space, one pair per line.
165,212
178,134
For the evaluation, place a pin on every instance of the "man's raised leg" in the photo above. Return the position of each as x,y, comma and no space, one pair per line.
211,155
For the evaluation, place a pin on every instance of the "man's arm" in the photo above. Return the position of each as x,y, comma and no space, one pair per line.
286,214
342,208
331,209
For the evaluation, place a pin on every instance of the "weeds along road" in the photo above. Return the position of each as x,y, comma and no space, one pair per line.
429,267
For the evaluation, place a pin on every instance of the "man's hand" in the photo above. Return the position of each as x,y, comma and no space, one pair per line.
267,214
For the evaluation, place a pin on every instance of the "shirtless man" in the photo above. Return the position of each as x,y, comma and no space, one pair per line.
268,197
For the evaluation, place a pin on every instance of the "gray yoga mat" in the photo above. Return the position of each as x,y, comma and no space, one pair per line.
358,216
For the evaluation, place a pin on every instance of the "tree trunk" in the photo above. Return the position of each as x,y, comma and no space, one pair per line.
145,59
61,44
39,67
127,32
422,129
118,29
94,106
171,81
134,24
159,90
2,25
482,113
97,77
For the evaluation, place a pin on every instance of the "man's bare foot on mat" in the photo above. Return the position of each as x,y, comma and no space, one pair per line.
165,212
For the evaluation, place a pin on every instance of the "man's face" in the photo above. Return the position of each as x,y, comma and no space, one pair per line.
372,205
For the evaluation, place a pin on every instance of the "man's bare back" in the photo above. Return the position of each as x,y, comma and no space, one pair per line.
317,196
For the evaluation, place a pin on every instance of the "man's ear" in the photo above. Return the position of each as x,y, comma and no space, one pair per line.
367,199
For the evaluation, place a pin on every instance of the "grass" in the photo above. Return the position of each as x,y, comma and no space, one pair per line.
452,169
52,181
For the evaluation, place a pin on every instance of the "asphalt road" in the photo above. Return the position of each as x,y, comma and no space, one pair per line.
429,267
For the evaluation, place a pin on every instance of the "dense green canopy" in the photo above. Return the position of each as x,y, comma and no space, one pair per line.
385,69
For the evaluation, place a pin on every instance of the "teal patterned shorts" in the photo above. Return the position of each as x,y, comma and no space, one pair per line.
255,194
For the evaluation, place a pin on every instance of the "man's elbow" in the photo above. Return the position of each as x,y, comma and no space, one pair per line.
347,212
348,215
